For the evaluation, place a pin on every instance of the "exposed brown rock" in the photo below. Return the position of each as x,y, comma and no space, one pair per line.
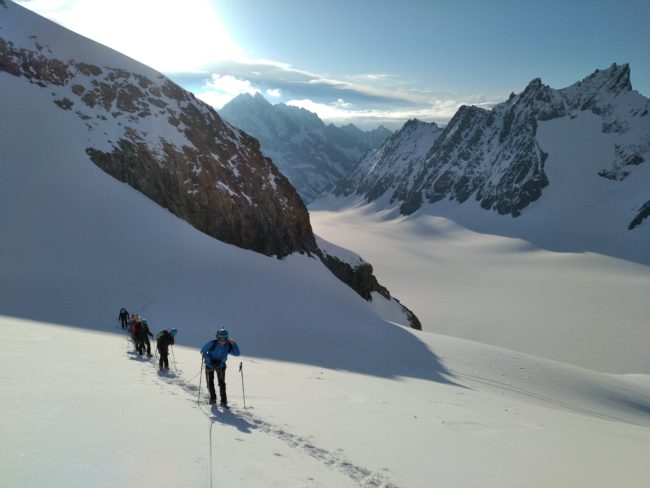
362,280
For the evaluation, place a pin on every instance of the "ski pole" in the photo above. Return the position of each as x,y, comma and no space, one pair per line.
198,399
243,392
173,358
155,355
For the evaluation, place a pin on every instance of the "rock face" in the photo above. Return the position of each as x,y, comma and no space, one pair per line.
644,213
494,156
311,154
358,274
143,129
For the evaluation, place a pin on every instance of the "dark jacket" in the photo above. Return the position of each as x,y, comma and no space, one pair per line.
142,331
163,340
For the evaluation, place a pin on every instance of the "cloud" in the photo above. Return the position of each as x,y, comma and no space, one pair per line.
230,84
220,89
372,77
292,83
341,112
378,100
342,104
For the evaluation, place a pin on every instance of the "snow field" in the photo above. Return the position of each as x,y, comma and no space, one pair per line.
95,410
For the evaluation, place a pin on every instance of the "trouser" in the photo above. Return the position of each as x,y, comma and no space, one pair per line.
123,320
221,381
141,344
163,362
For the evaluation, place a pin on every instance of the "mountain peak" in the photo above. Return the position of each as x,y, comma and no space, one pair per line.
620,77
247,98
536,82
615,79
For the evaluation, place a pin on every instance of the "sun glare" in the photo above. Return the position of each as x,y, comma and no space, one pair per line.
167,35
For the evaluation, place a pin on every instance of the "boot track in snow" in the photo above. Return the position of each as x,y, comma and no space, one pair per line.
333,460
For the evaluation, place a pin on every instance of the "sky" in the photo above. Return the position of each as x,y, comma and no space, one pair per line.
368,62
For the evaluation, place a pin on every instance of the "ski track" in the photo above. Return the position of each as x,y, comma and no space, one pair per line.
336,460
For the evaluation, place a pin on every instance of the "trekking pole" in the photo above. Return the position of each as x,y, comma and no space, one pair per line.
173,358
243,392
155,355
198,398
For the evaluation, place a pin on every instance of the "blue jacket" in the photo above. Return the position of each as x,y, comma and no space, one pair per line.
215,354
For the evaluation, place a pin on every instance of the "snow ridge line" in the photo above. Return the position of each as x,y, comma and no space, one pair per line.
336,461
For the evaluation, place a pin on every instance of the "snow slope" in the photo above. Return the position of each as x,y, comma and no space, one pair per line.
96,411
581,308
335,396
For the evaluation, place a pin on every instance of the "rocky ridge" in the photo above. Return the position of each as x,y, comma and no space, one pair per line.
493,155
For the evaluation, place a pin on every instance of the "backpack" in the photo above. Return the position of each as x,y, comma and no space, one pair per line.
162,339
136,329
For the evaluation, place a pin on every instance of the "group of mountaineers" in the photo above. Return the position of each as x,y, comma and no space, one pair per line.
214,353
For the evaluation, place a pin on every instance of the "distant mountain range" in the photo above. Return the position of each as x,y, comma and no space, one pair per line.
310,153
574,158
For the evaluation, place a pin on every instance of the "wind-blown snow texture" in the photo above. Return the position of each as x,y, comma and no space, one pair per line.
500,158
314,156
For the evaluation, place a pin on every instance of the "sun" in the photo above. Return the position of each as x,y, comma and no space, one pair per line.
168,35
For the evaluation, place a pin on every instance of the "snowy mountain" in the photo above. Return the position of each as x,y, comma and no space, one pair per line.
327,392
579,152
572,164
311,154
144,130
392,162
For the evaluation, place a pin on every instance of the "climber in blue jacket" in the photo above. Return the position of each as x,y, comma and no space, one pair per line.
215,354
